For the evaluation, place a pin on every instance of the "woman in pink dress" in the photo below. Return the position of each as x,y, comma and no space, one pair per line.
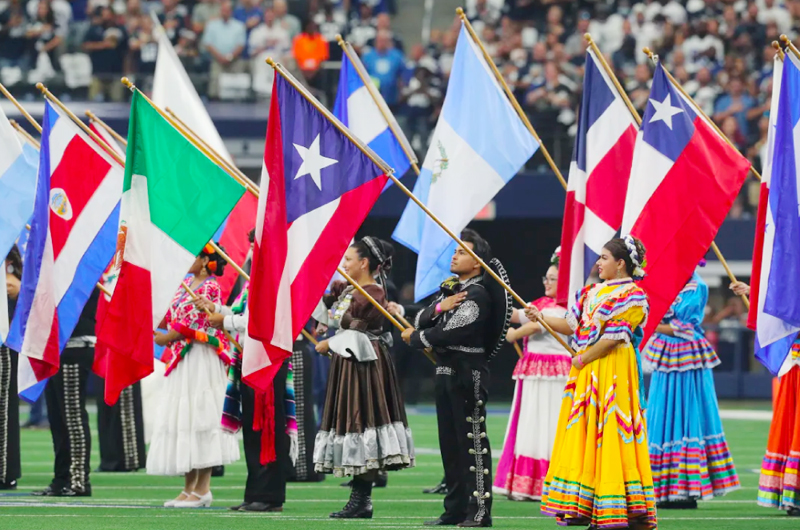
540,377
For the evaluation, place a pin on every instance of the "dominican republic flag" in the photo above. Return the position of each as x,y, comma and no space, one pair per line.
684,178
776,254
317,187
356,107
72,239
598,178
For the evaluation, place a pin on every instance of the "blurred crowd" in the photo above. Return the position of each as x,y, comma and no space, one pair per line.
720,50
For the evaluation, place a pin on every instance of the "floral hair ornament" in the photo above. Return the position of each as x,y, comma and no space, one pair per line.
638,263
209,249
556,257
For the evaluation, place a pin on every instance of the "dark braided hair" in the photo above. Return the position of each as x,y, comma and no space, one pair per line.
382,261
619,251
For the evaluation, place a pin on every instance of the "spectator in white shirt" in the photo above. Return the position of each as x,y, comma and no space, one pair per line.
606,29
702,48
268,39
770,11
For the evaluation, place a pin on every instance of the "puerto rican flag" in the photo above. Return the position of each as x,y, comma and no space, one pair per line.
317,187
72,239
684,178
598,178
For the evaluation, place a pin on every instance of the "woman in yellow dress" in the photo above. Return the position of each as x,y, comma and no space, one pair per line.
599,475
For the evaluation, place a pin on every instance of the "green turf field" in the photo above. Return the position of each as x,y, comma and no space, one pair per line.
132,500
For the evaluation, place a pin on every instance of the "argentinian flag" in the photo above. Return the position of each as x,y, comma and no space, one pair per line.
479,144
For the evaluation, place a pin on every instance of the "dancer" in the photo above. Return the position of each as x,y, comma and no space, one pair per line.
688,452
600,470
364,427
187,435
540,378
10,469
779,483
66,406
465,325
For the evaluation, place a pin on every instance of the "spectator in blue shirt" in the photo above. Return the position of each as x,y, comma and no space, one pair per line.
737,103
251,14
224,39
386,64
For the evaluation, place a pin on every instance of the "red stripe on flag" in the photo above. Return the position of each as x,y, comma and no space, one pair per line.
607,185
681,218
234,239
574,213
758,251
268,263
79,174
48,365
126,334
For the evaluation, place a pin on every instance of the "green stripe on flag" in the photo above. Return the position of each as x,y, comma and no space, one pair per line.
189,195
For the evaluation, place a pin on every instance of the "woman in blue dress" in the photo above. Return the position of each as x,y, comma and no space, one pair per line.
688,451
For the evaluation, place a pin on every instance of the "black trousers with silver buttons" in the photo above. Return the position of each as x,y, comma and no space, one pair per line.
461,396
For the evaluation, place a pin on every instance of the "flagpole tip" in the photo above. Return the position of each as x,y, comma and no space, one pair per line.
460,11
339,39
271,62
127,82
588,37
40,86
647,52
784,39
776,45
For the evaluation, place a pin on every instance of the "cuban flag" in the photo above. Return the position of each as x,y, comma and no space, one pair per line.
776,254
479,145
598,178
684,178
356,107
72,239
317,187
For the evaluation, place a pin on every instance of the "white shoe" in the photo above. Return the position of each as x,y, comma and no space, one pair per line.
203,501
171,504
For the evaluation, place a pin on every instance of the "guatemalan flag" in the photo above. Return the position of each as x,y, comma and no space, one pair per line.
317,187
598,178
479,144
776,255
356,107
72,239
18,165
684,178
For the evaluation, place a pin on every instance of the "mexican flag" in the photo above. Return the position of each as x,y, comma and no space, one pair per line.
174,199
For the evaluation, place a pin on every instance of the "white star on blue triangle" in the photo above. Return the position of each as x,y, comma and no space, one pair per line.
664,111
313,162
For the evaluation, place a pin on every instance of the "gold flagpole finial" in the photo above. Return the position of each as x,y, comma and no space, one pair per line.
271,62
127,82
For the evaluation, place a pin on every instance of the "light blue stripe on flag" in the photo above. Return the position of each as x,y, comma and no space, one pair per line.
17,190
479,144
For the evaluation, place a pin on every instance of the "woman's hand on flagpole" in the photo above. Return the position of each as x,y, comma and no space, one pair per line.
204,304
322,347
216,320
740,288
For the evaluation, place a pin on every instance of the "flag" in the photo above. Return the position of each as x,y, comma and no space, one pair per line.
684,178
107,139
479,144
173,201
19,162
598,178
173,89
317,187
776,253
72,238
362,109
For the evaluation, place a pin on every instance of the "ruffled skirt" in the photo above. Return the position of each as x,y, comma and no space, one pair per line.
532,426
778,486
688,451
187,433
600,469
364,425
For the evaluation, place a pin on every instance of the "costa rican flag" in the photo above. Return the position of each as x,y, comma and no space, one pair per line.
72,239
317,186
684,178
598,178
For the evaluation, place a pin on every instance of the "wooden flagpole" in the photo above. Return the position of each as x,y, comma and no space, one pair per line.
380,163
629,104
511,97
653,57
778,49
33,141
790,46
118,137
21,109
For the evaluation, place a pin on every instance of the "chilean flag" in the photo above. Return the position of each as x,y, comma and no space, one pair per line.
598,178
317,187
72,239
684,178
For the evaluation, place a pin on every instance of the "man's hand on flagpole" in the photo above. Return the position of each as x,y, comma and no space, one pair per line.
740,288
322,347
407,335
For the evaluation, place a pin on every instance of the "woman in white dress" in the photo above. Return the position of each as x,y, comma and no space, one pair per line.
540,377
187,436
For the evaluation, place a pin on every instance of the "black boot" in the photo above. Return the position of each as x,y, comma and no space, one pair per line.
440,488
360,504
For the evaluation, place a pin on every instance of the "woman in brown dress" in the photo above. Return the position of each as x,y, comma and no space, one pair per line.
364,427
